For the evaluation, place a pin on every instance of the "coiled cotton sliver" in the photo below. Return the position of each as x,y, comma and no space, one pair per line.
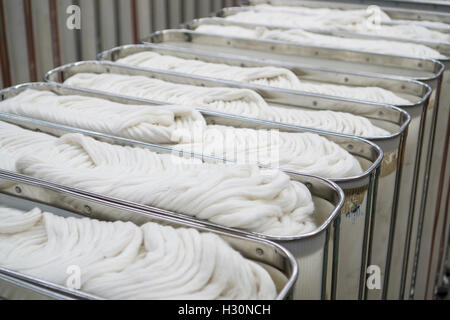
46,250
348,16
178,269
122,261
302,152
14,146
228,100
315,39
353,21
357,16
24,140
269,76
166,124
245,197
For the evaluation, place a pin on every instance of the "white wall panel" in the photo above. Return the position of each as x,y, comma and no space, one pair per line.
89,30
108,24
17,43
189,9
70,48
203,8
159,14
216,5
42,38
126,26
145,17
175,13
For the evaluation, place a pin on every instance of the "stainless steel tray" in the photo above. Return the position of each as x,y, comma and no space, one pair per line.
414,89
416,162
442,47
352,212
423,214
425,226
401,10
30,193
301,246
382,230
366,63
360,148
392,145
398,9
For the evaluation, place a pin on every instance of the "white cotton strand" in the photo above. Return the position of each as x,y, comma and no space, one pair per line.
268,76
119,260
244,197
351,16
228,100
46,250
185,264
167,124
13,146
302,152
357,21
315,39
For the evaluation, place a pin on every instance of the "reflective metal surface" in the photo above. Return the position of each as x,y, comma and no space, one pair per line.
358,206
329,196
67,201
416,161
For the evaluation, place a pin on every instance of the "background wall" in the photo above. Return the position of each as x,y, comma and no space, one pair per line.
34,37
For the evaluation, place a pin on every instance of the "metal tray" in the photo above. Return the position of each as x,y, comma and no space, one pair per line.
403,10
416,90
358,189
384,233
421,132
385,203
328,58
442,47
425,226
311,250
62,201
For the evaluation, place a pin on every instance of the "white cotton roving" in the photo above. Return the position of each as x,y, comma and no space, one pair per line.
306,153
6,163
357,21
302,152
166,124
237,196
119,260
315,39
268,76
13,147
227,100
351,16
